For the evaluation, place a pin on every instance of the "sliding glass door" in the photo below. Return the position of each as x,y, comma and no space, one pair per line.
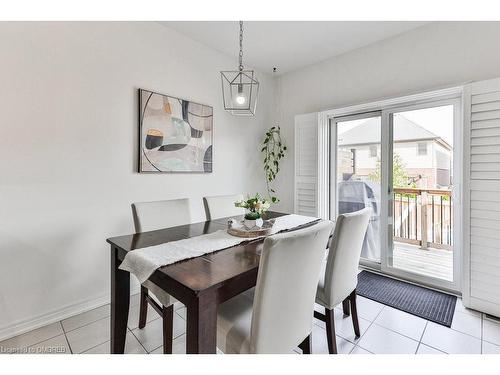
357,173
422,175
401,163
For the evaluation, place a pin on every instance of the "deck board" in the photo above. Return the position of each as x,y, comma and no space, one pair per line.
430,262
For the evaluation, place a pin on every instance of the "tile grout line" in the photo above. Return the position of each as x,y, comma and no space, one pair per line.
85,325
139,341
421,337
482,328
39,342
69,346
432,347
66,338
95,346
427,321
93,321
371,323
180,315
456,330
399,333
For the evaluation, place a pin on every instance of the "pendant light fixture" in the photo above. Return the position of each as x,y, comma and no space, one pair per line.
240,87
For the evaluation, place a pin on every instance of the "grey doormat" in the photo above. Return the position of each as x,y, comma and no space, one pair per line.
426,303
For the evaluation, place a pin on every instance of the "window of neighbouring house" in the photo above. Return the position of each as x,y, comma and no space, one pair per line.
373,151
422,148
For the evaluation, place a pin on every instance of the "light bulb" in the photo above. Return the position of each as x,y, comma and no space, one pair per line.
241,99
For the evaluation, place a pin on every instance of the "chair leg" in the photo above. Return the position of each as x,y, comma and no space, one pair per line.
168,327
143,308
306,345
354,311
345,306
330,331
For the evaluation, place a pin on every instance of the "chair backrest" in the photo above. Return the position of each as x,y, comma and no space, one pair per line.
341,273
222,206
160,214
289,271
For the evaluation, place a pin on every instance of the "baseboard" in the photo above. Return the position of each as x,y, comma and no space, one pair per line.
20,327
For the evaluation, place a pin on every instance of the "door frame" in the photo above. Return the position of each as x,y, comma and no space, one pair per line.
387,107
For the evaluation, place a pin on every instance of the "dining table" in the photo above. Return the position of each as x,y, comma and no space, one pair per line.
200,283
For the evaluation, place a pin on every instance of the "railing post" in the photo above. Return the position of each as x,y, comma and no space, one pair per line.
423,220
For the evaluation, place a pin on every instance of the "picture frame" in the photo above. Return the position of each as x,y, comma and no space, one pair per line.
175,134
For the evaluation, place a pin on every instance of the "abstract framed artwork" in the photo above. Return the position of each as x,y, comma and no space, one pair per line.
175,135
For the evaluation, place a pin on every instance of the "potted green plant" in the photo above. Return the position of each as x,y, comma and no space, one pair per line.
273,150
256,206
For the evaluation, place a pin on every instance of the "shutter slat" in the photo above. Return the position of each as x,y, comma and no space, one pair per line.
486,205
489,115
485,141
484,214
486,251
485,166
485,132
494,123
484,223
486,196
485,98
486,233
485,175
485,158
493,105
484,150
485,185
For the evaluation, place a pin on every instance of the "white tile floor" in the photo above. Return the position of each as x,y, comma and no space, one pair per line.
383,330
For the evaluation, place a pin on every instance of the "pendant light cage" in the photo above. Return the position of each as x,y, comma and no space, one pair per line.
240,88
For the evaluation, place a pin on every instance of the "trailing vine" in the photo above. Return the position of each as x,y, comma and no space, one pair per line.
273,150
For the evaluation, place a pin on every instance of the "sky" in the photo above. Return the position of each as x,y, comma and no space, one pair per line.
438,120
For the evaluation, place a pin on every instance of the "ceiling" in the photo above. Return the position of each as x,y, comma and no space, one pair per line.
289,45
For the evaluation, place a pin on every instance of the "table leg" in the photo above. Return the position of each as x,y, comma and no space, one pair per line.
120,301
202,324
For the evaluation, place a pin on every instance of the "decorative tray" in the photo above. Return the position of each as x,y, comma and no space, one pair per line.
239,229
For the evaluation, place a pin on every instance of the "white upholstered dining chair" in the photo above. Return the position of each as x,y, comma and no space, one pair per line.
279,317
149,216
339,275
220,206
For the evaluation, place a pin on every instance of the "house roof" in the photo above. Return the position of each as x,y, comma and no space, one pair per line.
368,132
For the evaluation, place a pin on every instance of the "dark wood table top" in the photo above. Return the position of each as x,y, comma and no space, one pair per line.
204,272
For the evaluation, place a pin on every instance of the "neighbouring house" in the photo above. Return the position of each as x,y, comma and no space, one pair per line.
426,157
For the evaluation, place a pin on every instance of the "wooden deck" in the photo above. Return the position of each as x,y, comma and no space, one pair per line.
431,262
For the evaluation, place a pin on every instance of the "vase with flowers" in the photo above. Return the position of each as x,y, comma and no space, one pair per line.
256,206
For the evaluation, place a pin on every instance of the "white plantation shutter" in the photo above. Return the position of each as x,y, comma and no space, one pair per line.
306,164
482,196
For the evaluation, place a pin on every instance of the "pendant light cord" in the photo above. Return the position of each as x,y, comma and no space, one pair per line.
241,46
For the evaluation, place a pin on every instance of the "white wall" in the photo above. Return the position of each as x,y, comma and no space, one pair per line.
68,150
433,56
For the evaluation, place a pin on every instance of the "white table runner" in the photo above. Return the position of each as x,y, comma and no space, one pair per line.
143,262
